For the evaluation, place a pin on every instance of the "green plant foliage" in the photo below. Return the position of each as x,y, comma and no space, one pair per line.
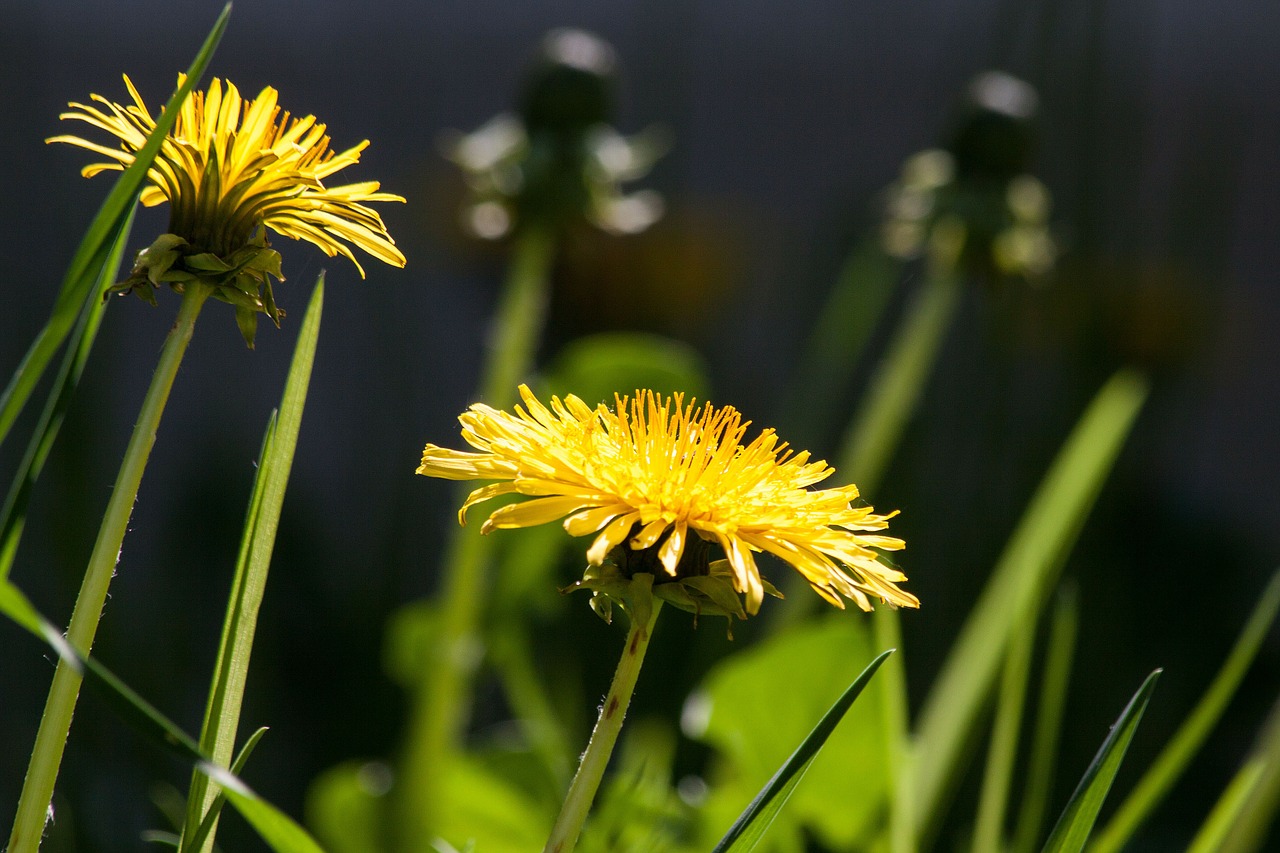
737,710
1073,827
750,827
275,827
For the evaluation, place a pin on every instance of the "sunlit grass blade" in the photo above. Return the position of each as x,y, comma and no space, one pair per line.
1182,748
222,713
210,819
1076,822
1245,811
1018,586
1048,726
13,515
751,825
988,831
87,263
276,828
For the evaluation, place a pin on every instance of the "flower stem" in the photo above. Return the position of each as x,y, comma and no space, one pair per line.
51,739
582,791
443,700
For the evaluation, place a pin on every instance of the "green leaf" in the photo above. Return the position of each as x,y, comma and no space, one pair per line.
211,816
598,366
751,825
1177,754
1076,822
222,713
1018,587
13,515
1243,814
276,828
1048,727
88,263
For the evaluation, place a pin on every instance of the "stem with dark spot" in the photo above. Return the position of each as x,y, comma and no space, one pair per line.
582,791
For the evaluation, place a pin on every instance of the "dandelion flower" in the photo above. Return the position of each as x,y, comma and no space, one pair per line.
229,168
656,481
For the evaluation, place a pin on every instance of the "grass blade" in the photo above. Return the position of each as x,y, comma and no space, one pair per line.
13,515
276,828
215,809
1027,569
1182,748
1048,727
751,825
1076,822
994,800
1242,815
88,262
226,693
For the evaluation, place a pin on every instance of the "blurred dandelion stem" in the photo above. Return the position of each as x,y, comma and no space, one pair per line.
443,703
55,724
642,610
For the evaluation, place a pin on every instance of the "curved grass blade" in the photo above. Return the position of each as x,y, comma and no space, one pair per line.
226,693
87,264
215,808
13,515
1019,585
751,825
1241,817
276,828
1076,822
1063,628
1173,760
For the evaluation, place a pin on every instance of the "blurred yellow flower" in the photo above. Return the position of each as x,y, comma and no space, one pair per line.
651,471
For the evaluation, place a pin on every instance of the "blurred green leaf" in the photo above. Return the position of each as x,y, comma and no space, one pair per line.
345,806
737,711
1056,672
1177,754
226,693
88,264
597,367
1244,813
1076,822
276,828
1018,587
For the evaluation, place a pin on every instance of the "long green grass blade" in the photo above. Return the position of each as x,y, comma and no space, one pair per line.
751,825
276,828
210,819
222,713
988,831
87,264
1076,822
13,515
1048,727
1019,585
1186,743
1245,811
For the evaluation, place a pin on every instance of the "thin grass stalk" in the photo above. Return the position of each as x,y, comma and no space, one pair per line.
1240,819
226,693
443,702
993,801
51,739
1175,757
1060,649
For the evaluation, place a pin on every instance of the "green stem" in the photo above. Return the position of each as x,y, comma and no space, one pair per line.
51,739
582,791
893,710
443,700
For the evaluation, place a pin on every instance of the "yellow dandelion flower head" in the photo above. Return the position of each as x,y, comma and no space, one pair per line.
230,166
650,472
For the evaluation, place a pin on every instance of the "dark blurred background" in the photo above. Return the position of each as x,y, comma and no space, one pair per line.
1159,133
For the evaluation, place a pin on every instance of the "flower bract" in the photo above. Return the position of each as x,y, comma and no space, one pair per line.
655,481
